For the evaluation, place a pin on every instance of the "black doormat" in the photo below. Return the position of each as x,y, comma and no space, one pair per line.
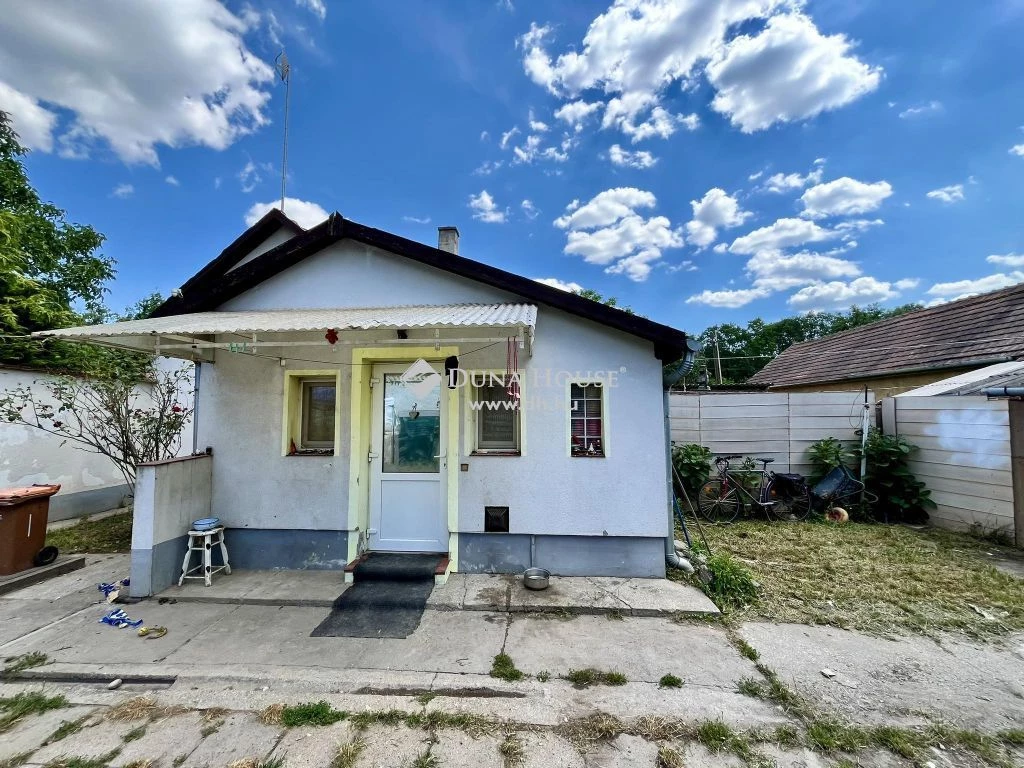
387,598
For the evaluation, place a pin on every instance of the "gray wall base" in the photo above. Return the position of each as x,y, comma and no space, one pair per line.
631,556
154,570
65,506
264,549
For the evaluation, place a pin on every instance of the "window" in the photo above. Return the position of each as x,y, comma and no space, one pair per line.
319,402
497,420
586,419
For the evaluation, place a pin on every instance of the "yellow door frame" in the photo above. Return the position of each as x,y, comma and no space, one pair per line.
363,359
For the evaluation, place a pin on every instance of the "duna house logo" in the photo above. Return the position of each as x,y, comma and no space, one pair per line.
421,378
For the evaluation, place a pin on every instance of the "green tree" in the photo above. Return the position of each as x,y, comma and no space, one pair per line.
611,301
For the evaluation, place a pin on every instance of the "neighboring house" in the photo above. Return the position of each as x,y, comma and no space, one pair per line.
324,397
90,482
901,353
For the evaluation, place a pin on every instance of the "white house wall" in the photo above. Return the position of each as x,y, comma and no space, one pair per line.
588,515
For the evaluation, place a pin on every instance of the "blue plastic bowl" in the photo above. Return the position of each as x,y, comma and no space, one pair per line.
206,524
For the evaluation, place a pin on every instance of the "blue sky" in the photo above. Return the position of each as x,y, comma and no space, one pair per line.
702,160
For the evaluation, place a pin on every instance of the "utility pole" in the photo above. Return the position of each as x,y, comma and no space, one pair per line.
718,360
284,71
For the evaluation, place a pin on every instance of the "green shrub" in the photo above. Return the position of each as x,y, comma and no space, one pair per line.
732,585
827,454
901,496
670,681
320,713
693,463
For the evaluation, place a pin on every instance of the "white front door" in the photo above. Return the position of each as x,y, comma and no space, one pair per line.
408,512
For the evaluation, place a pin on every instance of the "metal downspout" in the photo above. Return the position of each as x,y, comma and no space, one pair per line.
671,557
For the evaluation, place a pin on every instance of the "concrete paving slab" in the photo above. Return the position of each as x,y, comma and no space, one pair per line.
241,736
63,565
89,743
643,649
82,639
22,617
879,680
577,595
454,748
315,588
385,747
31,731
450,596
98,569
487,592
544,750
165,740
313,746
623,752
698,756
657,597
443,642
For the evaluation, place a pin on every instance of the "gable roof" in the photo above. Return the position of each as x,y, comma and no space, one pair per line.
214,284
968,332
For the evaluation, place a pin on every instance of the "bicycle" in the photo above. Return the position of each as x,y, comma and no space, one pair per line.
783,496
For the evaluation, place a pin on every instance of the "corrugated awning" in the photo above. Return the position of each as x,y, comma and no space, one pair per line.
163,334
285,320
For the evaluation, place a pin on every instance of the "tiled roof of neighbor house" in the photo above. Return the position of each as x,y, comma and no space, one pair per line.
969,332
218,282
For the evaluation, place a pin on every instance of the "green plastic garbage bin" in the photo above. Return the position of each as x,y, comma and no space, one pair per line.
23,516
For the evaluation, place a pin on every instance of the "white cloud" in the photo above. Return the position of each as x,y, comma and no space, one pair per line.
789,71
486,210
561,285
416,219
776,271
609,230
840,295
251,175
216,182
33,123
907,283
302,212
716,210
205,87
507,136
729,299
961,289
721,248
783,233
536,125
780,183
844,197
531,150
506,5
624,112
922,110
623,157
316,7
575,113
1008,259
484,135
172,181
529,209
487,167
1017,149
954,193
755,176
123,190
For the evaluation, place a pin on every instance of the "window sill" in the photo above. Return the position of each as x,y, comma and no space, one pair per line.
313,452
587,455
496,452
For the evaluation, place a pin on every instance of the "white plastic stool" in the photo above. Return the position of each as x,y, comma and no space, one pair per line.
203,541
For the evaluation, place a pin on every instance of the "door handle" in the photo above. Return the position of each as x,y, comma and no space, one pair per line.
441,456
370,456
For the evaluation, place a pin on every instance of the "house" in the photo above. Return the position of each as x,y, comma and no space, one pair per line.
905,352
360,391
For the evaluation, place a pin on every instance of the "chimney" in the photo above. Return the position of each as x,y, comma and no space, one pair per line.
448,239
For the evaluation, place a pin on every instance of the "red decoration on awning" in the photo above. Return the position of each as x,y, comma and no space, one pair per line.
331,336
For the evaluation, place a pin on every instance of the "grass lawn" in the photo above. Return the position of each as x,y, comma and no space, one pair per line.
111,534
883,579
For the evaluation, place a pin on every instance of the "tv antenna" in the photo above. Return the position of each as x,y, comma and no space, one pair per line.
284,71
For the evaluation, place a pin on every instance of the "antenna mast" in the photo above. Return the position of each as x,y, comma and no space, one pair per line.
284,71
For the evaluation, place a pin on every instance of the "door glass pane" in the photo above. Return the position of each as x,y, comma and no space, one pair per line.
412,424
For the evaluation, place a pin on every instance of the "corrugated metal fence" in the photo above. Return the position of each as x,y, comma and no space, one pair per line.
964,456
780,425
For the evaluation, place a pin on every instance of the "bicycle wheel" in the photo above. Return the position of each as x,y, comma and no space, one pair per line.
717,504
793,507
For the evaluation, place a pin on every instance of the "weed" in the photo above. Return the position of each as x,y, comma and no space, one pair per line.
474,725
748,686
714,734
140,763
179,760
138,708
111,534
18,664
584,732
83,762
614,616
1014,737
348,754
271,715
656,728
511,751
786,736
27,703
320,713
670,681
543,676
215,715
16,761
134,734
584,678
504,668
746,650
253,762
209,730
426,697
425,760
827,735
65,729
363,720
669,758
732,584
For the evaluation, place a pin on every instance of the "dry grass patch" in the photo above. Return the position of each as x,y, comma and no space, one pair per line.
584,732
271,715
882,579
138,708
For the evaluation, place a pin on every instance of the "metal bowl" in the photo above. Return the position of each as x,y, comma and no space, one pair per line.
536,578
